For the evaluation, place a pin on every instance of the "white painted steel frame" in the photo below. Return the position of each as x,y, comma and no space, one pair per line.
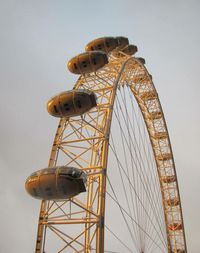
84,141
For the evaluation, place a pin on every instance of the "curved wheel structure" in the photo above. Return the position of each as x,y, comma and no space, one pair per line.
79,224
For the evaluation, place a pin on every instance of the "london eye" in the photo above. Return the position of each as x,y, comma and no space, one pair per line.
111,184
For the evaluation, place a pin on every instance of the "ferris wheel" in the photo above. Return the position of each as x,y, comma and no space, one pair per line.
111,183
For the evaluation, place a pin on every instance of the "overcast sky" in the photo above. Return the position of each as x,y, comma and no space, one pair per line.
38,38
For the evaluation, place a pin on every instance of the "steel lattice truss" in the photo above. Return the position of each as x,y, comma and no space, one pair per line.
83,142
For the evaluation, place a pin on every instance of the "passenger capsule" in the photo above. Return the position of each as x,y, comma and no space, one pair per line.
71,103
122,42
175,226
164,157
56,183
168,179
129,49
141,60
87,62
106,44
173,202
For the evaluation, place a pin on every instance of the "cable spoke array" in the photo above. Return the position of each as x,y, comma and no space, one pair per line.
141,207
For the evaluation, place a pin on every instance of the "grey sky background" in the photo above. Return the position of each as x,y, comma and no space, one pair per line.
38,38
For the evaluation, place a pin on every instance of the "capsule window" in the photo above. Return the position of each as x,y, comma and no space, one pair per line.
70,178
55,109
107,44
35,191
62,171
32,179
76,174
49,171
47,189
63,189
84,63
78,103
94,61
34,174
68,172
66,106
99,46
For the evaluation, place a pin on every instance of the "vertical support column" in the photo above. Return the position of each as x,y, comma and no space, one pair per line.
100,225
40,233
88,215
52,160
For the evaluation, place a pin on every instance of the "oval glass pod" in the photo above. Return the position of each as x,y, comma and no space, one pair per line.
106,44
122,41
87,62
71,103
56,183
129,49
141,60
